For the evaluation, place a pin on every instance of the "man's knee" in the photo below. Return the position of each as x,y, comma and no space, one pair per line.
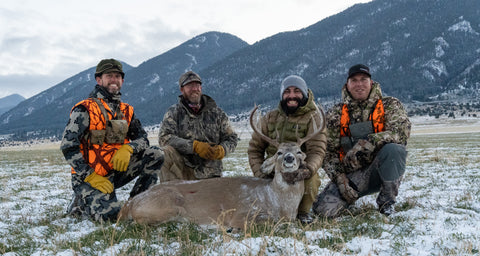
392,161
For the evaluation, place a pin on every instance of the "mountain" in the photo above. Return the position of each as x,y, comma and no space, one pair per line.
415,49
46,113
419,51
8,102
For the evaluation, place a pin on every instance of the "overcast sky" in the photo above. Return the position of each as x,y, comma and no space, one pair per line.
43,42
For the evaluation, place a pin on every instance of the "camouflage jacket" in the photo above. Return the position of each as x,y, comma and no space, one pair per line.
397,127
277,122
77,129
180,127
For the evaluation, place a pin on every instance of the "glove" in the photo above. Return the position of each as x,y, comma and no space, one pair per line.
122,157
350,160
360,153
99,182
218,152
203,149
347,192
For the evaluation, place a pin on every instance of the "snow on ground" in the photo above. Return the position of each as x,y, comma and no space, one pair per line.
438,205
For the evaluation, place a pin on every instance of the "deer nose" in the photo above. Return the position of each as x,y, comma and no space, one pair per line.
289,158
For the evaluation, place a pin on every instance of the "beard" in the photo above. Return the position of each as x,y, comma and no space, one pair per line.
292,109
113,88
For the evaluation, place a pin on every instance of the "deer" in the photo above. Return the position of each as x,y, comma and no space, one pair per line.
229,201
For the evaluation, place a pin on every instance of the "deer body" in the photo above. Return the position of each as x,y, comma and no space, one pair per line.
228,201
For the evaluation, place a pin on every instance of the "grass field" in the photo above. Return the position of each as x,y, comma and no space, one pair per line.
438,212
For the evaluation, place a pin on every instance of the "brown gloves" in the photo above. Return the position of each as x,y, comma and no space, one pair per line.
206,151
347,192
99,182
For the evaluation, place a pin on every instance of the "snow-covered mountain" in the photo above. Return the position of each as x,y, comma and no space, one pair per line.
419,51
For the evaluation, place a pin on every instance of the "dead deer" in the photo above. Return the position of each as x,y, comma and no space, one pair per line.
228,201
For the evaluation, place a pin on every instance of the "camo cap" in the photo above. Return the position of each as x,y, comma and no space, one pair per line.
189,77
109,65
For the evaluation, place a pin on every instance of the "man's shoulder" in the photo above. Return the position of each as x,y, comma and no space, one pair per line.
391,102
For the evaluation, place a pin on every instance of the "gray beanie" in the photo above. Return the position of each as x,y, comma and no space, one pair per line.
296,81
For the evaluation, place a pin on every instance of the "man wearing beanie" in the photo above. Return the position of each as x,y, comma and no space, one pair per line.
367,135
296,114
195,134
107,148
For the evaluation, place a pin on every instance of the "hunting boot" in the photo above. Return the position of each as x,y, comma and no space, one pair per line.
386,197
143,183
75,208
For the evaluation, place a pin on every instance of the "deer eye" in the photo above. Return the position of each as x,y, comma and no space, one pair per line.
299,152
279,153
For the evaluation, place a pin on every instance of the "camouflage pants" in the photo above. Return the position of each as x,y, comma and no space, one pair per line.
311,191
383,175
100,206
174,167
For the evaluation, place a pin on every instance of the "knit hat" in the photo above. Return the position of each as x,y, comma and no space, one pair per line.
107,66
296,81
189,77
359,68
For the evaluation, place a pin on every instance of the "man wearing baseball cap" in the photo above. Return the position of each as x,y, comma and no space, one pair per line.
106,147
195,134
296,115
367,135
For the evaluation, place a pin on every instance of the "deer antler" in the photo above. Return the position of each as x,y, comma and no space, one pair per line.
263,136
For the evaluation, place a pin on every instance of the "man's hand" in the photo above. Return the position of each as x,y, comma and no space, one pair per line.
347,192
121,158
360,152
99,182
217,152
203,149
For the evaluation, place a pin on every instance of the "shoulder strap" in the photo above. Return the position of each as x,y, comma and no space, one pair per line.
102,108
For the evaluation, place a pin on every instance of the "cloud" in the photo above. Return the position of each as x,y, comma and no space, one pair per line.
40,39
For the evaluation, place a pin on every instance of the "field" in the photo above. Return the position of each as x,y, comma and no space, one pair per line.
438,210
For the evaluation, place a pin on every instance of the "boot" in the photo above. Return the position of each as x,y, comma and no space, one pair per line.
75,208
386,197
143,183
305,218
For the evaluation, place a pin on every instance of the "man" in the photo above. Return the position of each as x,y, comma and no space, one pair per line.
195,134
296,114
366,153
107,147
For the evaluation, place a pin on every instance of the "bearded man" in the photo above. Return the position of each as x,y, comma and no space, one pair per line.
296,115
195,134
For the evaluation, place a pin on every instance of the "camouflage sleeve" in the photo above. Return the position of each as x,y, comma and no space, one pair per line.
331,163
228,137
316,146
256,150
137,135
397,125
73,134
168,133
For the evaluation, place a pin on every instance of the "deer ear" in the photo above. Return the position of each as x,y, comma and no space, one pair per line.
268,166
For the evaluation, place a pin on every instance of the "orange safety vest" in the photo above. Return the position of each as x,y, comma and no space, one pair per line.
99,156
377,117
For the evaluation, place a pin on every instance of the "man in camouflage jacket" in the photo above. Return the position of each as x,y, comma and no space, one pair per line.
105,158
366,150
195,134
296,114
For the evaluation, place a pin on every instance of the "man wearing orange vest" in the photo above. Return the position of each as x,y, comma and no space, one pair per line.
366,150
106,147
